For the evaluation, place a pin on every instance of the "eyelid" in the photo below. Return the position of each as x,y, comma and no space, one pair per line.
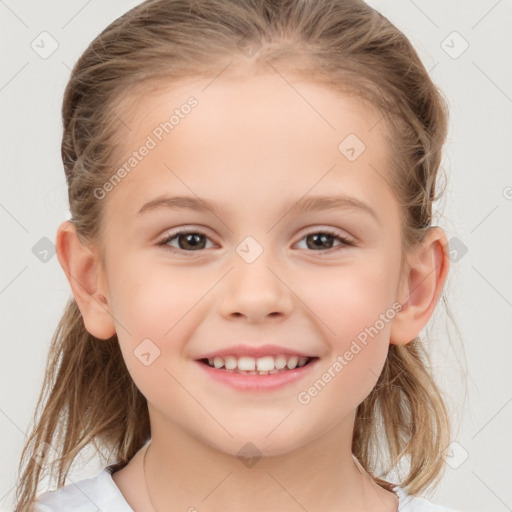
345,239
318,228
182,230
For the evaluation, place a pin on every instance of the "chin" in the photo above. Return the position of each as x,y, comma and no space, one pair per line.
256,444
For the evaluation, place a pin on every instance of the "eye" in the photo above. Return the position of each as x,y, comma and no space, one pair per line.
323,240
194,240
188,241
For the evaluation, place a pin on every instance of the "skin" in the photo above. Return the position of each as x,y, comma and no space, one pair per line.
253,145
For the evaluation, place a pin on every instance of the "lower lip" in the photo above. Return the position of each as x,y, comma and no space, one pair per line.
248,382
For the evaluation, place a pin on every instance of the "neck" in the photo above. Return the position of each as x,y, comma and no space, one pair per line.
322,475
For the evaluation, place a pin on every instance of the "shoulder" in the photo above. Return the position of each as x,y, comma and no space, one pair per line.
408,503
88,495
101,493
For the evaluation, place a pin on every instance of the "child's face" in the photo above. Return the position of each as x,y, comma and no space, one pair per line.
254,148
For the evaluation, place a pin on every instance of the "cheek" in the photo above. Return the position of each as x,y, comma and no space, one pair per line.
354,306
150,300
350,298
152,314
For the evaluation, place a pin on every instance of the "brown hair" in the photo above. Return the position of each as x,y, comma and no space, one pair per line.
88,395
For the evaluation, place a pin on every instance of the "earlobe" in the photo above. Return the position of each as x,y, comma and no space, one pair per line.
426,271
83,270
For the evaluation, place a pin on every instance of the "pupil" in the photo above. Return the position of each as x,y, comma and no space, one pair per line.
192,240
321,239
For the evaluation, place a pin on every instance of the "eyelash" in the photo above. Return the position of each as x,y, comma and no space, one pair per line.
345,242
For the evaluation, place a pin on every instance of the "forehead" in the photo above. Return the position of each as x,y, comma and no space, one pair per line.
247,135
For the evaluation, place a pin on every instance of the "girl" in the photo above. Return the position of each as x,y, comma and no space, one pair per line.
252,258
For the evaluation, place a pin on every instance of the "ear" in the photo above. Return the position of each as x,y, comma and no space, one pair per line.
84,271
421,285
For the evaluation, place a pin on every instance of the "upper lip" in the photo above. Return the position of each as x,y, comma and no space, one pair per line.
254,351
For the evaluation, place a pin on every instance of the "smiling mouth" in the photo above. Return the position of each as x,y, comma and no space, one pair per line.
267,365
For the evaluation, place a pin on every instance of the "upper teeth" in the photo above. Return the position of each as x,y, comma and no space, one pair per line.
261,364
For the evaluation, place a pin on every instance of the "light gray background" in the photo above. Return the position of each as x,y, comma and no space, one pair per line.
477,211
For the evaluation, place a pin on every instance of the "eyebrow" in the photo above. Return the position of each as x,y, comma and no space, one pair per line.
302,206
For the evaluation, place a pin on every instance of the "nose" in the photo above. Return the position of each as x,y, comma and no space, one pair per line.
256,291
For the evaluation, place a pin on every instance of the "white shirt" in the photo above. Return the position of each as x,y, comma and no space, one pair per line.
100,493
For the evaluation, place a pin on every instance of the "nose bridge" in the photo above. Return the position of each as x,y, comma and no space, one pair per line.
255,288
